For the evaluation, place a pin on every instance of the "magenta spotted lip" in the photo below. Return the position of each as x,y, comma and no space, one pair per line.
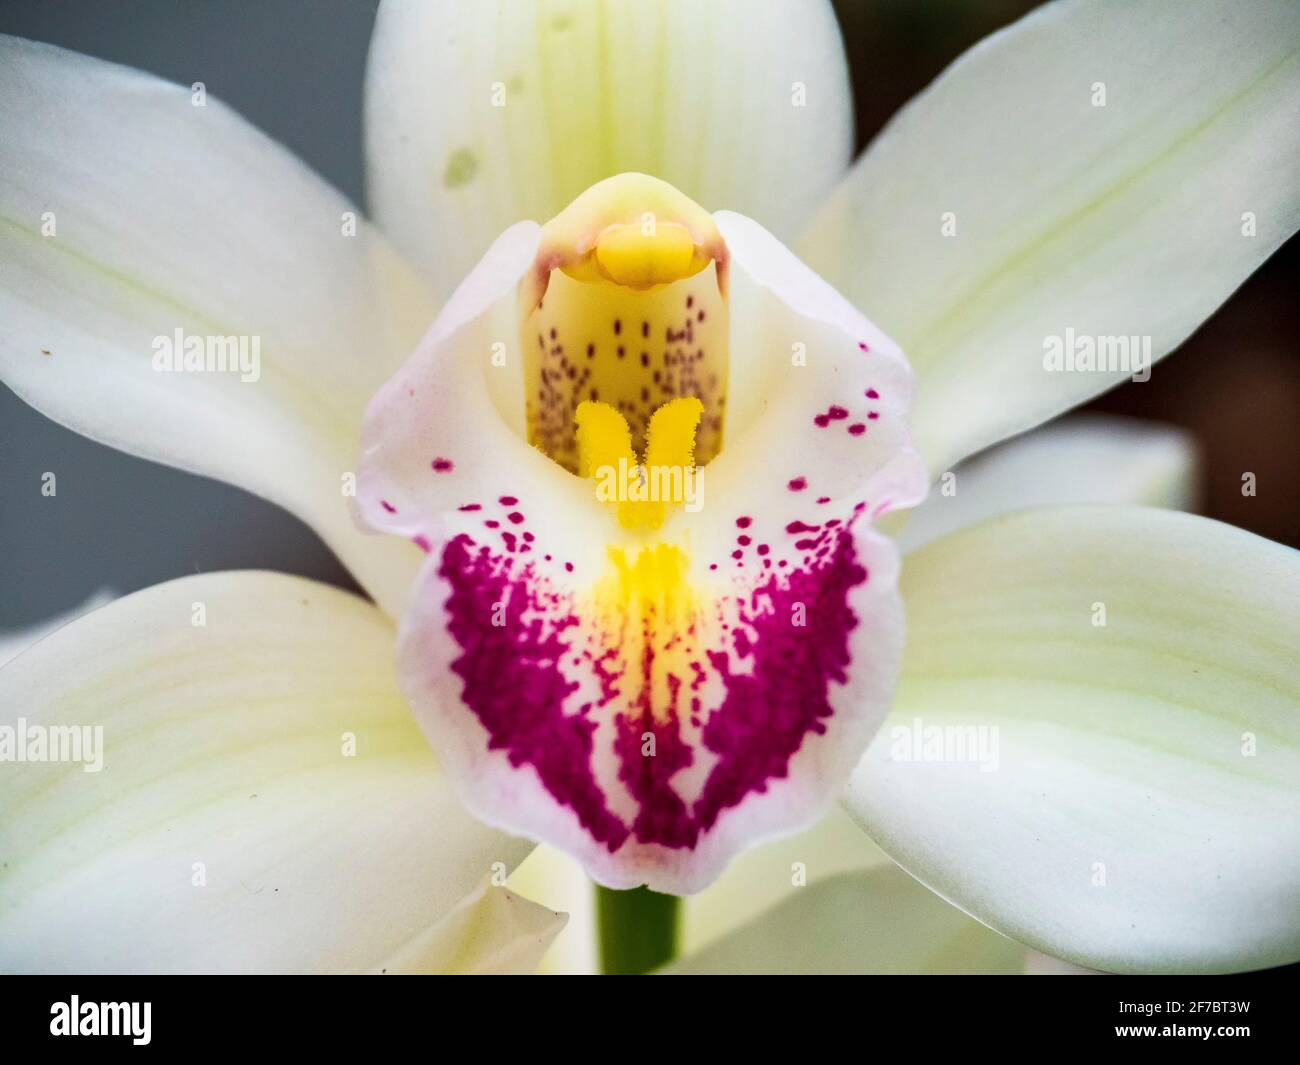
514,686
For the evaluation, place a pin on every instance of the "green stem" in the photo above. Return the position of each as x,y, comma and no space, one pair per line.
638,929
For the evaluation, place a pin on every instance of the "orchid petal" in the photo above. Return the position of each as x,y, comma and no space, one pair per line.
1040,964
529,699
480,115
1094,173
880,921
550,877
819,400
1095,747
491,931
1083,458
127,214
767,874
265,801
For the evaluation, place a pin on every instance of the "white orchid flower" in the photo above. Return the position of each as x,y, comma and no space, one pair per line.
596,197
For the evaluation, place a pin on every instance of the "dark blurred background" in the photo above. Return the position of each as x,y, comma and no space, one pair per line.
295,69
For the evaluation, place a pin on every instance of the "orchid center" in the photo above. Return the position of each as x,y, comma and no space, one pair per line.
647,681
626,307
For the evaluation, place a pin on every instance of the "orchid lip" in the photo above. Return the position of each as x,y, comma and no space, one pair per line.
650,685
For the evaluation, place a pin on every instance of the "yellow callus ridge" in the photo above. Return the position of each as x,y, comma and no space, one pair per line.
643,493
652,579
645,604
645,600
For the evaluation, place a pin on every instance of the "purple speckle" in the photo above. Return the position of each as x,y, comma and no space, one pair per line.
834,413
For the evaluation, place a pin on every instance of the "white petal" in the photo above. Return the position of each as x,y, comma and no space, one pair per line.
1124,220
480,115
879,921
557,881
126,214
228,703
765,875
1040,964
1134,805
1084,458
492,931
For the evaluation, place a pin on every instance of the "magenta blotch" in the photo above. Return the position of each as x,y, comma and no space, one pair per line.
755,721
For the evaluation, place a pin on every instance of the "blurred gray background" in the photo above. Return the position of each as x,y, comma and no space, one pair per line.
295,68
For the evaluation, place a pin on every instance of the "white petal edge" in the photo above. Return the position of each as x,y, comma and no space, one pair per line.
1040,964
1112,221
16,640
224,743
1082,458
1124,825
878,921
126,213
552,878
493,931
481,115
